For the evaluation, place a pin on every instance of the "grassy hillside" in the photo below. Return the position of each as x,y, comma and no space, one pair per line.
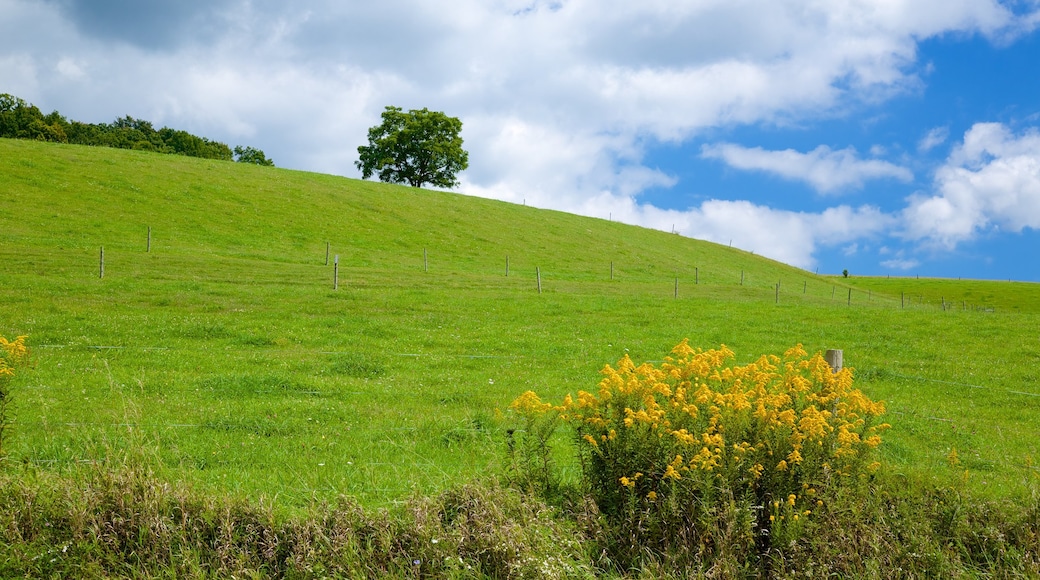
225,357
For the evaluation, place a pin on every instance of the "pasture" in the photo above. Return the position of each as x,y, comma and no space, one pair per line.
215,348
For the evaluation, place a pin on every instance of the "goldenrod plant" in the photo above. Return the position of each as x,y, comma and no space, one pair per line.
12,354
662,448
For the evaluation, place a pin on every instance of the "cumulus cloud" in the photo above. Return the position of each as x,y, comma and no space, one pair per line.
826,170
791,237
627,70
152,25
787,236
991,181
558,97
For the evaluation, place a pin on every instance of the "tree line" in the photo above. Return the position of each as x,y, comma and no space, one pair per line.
22,120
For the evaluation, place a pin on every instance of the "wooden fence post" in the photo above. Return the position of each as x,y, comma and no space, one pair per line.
538,275
425,264
834,358
149,248
335,274
101,267
327,244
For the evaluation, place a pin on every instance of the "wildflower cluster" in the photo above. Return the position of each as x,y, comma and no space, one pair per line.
693,429
12,354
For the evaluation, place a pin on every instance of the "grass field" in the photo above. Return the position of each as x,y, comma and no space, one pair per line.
223,356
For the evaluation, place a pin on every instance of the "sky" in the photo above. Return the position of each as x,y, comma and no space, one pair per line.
882,137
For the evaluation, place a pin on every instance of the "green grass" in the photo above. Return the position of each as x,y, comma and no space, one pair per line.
225,356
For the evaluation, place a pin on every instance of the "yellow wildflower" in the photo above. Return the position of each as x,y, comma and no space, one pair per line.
670,472
529,403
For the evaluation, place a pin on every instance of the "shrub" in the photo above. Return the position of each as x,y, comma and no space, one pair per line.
690,459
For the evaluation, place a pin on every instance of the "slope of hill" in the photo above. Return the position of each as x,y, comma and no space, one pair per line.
216,346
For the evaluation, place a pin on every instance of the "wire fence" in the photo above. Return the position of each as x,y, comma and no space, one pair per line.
682,282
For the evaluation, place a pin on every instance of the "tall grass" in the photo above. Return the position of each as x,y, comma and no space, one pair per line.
116,518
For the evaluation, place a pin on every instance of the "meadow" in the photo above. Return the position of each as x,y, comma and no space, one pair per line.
216,350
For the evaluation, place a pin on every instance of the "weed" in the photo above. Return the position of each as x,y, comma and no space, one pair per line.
12,355
696,453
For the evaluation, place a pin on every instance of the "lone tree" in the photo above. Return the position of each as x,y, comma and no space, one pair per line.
417,147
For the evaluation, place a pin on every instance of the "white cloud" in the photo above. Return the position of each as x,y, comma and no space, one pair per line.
69,68
558,98
609,67
933,139
990,181
901,264
790,237
786,236
826,170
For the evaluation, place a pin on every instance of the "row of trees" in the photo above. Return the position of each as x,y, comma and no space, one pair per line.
21,120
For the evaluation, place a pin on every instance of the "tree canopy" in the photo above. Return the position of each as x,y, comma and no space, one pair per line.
417,147
22,120
252,155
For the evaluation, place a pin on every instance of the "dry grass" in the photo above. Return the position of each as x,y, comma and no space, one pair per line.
123,522
120,521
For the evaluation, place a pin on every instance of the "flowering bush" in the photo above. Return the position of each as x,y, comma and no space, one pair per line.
661,448
12,354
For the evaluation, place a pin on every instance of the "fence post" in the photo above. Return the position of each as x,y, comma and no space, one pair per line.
834,358
425,264
101,267
327,253
676,295
149,248
538,274
335,274
611,270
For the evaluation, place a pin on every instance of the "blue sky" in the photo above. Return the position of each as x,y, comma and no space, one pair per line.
887,137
